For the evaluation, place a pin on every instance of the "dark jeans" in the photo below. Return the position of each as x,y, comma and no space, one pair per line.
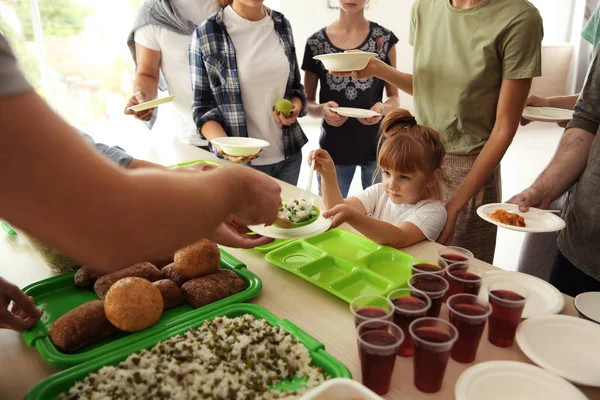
569,279
287,170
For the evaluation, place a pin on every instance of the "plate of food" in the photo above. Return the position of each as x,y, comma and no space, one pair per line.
508,216
296,227
547,114
240,146
355,112
351,60
151,104
296,213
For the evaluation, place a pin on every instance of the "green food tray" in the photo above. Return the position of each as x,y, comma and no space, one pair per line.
345,264
58,295
185,164
51,387
277,243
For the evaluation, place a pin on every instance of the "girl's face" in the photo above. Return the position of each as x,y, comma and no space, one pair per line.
352,6
405,188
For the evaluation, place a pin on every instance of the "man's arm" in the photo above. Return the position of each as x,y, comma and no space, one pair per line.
511,101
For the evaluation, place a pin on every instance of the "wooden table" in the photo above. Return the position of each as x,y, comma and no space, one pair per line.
317,312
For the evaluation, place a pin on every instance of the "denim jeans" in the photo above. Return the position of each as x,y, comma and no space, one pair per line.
345,173
287,170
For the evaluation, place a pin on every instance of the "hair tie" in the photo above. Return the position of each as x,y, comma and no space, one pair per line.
412,121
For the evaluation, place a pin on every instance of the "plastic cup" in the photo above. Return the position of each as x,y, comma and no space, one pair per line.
433,339
368,307
462,280
468,314
419,267
409,305
378,343
452,255
434,286
507,300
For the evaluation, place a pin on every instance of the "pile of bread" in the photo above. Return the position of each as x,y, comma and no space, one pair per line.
135,297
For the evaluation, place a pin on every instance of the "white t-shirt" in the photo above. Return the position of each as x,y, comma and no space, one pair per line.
263,70
177,116
427,215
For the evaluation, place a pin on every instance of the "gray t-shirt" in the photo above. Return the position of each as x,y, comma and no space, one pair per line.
579,241
13,82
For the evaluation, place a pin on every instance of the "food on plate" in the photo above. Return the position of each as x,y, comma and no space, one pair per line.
508,218
208,289
226,358
133,304
81,326
171,293
171,273
297,210
199,259
85,276
143,270
162,262
284,106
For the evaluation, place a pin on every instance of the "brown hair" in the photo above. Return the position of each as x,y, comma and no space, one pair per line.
405,146
224,3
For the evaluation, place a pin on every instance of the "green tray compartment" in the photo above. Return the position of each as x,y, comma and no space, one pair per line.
51,387
58,295
388,262
277,243
361,283
295,255
336,243
326,270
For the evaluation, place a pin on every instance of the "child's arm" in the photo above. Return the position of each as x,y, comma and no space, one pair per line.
403,235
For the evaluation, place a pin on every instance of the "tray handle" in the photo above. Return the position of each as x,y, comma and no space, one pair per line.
32,335
311,343
231,261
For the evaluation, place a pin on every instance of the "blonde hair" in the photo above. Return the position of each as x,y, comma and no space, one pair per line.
405,146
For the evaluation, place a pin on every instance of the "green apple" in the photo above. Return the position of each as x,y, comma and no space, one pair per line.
284,106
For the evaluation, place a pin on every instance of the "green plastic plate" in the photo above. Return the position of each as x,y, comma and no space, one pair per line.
344,264
61,382
58,295
185,164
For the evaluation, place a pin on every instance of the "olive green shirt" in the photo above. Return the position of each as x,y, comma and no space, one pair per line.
461,57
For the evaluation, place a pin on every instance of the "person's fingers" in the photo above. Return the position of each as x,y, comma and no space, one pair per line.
563,124
275,116
141,97
24,303
524,203
525,121
11,321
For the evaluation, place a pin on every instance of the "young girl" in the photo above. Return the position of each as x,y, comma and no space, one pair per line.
350,142
242,60
404,209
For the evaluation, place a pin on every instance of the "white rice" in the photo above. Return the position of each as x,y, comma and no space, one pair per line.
226,358
297,210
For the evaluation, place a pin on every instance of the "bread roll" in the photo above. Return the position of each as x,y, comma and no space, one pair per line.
85,276
171,273
162,262
171,293
200,259
143,270
208,289
80,327
133,304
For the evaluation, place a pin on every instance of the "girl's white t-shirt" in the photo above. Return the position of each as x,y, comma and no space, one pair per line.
427,215
177,116
263,71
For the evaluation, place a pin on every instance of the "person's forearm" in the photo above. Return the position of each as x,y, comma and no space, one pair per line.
315,110
146,84
567,165
381,232
332,196
212,130
567,102
401,80
391,104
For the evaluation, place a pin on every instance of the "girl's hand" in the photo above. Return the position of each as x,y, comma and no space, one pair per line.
340,214
378,107
370,70
134,100
323,163
287,121
332,118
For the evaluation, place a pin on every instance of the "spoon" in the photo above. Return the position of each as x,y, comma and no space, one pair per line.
307,194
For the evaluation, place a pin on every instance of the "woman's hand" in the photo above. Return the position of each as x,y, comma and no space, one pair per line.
340,214
293,116
134,100
447,235
370,70
235,234
323,163
331,117
23,315
378,108
237,159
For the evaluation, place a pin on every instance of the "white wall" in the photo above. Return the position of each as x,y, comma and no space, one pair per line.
308,16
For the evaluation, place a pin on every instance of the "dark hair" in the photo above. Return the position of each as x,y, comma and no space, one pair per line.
406,146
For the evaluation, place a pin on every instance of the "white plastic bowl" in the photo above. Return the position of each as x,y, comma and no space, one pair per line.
240,146
340,389
350,61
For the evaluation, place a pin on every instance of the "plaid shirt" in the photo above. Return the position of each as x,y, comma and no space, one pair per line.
216,85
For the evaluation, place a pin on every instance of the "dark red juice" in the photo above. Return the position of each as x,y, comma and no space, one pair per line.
369,312
377,367
505,317
463,282
403,319
453,258
469,332
431,286
430,365
426,268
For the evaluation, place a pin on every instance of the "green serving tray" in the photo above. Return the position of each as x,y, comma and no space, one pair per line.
277,243
61,382
58,295
185,164
345,264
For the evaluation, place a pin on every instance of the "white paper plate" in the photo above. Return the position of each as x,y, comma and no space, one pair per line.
547,114
566,346
340,389
240,146
348,61
316,228
512,380
355,112
542,298
536,220
589,305
151,104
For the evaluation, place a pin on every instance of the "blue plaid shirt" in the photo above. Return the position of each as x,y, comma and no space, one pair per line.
216,85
